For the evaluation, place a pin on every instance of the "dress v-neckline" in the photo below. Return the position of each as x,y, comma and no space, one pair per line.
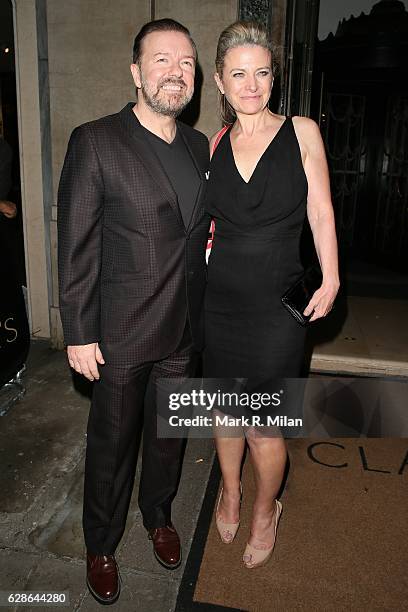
259,160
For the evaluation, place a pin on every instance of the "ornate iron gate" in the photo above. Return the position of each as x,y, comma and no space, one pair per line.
390,236
342,126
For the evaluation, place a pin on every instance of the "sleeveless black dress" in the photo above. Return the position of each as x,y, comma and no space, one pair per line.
254,260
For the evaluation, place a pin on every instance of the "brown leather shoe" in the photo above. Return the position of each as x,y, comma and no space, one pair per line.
166,546
103,578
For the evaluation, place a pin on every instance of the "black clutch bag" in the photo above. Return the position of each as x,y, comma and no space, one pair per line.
297,297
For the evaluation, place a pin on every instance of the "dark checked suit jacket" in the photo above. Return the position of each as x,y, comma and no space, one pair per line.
129,270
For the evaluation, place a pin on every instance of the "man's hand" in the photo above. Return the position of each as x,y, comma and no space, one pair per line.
84,358
9,209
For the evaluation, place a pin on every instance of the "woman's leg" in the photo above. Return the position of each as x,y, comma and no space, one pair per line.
268,456
230,452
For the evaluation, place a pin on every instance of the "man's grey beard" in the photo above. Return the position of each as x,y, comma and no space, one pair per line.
170,107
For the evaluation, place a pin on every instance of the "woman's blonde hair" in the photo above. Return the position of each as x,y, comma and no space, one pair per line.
240,34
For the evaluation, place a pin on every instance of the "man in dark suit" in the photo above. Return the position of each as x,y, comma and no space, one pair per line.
132,236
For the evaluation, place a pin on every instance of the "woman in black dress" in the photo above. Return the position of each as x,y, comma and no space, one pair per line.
267,172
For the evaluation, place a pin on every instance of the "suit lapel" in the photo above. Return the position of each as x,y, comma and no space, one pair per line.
201,175
148,158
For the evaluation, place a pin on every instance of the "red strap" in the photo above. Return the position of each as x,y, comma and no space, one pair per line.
218,137
215,145
211,234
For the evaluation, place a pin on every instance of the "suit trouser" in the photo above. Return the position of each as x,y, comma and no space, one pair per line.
124,402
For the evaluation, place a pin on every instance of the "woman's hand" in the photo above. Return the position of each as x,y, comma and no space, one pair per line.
322,300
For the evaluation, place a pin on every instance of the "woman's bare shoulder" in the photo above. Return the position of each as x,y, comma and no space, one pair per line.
306,126
274,118
307,131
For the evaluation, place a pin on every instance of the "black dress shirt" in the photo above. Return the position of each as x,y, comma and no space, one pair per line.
180,169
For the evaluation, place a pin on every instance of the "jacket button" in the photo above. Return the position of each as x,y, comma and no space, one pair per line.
191,273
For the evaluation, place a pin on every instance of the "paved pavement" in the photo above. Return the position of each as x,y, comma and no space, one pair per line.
42,445
363,336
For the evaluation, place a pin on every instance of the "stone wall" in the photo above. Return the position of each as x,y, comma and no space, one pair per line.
205,20
89,54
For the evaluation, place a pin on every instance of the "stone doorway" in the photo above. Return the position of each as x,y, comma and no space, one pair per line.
31,64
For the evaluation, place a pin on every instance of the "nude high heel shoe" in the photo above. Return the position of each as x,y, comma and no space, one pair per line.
255,556
227,531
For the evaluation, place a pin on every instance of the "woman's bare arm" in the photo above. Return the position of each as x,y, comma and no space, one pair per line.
320,214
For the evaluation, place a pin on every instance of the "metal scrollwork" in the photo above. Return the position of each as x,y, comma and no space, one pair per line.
391,223
342,127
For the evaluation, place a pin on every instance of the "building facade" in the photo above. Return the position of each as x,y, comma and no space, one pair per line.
72,65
